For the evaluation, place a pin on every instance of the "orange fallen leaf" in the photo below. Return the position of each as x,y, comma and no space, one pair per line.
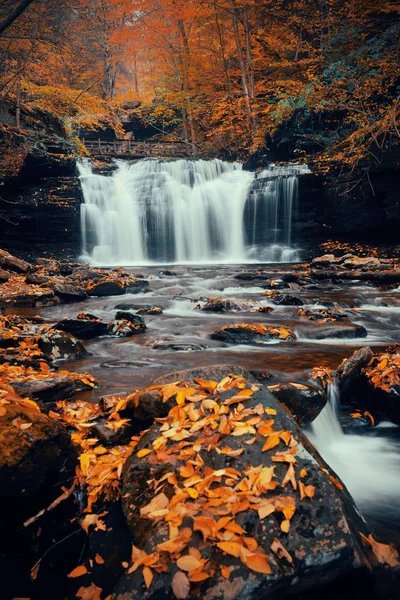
272,441
370,417
232,548
99,559
225,572
258,563
78,572
188,563
143,452
147,576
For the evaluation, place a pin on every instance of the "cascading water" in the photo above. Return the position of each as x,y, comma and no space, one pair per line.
369,465
187,211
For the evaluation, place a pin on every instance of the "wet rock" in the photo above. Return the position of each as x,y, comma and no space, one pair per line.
124,328
37,279
4,276
83,329
305,402
211,372
350,369
324,542
178,346
132,318
261,376
253,276
109,436
169,273
83,274
46,390
34,457
357,263
324,260
136,286
69,292
220,305
244,333
290,278
141,309
36,298
52,266
106,288
326,331
60,344
382,277
12,263
287,300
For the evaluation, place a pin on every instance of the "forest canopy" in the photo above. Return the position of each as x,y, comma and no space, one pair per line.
222,74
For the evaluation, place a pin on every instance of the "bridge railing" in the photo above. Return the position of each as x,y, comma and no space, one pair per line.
104,147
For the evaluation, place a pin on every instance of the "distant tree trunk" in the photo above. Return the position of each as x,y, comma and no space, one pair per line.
135,74
109,78
18,10
18,105
185,65
248,52
223,55
299,39
246,93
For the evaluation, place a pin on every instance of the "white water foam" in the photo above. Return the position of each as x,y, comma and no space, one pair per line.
369,466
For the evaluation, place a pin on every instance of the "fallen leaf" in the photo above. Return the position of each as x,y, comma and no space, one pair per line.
188,563
180,585
147,576
99,559
78,572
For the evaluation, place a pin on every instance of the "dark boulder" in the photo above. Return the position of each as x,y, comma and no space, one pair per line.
253,276
50,389
136,286
12,263
326,331
246,333
197,484
125,328
37,278
220,305
305,402
286,300
212,372
83,329
30,457
132,318
106,288
4,276
140,309
83,274
68,292
351,368
60,344
178,346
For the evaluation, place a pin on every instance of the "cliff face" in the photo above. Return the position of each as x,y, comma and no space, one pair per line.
40,192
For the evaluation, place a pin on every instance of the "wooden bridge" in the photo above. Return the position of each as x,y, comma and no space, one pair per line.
134,149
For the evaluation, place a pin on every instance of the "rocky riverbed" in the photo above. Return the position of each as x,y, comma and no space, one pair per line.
209,472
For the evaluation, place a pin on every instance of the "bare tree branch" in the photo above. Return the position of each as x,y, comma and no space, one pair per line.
23,5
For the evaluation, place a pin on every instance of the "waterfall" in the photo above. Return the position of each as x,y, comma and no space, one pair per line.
369,464
187,211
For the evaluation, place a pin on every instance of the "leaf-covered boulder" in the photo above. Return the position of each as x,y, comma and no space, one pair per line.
106,287
226,498
249,333
60,344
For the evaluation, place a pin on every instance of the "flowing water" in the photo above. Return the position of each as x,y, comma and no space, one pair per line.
188,211
368,463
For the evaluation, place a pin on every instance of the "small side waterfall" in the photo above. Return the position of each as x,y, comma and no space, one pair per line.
369,464
187,211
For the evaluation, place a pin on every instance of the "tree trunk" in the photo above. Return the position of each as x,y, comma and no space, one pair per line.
18,105
18,10
235,21
185,66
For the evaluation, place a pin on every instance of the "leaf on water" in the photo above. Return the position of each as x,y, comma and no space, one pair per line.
370,417
78,572
180,585
99,559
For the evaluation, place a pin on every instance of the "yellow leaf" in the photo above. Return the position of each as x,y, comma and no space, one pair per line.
143,452
232,548
258,563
